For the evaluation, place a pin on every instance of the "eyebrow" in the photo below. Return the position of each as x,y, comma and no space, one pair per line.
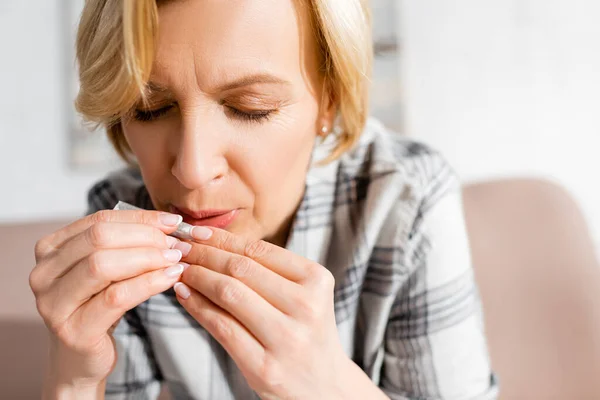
248,80
154,89
252,80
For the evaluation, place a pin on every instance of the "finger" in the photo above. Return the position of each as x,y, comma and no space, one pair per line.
164,221
104,235
245,350
244,304
95,273
103,310
280,292
279,260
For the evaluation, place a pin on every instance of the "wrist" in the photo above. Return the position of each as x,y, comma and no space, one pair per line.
54,390
63,380
70,371
356,384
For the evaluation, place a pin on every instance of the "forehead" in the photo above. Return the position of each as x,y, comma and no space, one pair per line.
219,40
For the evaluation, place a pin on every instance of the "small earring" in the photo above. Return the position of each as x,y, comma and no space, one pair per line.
324,130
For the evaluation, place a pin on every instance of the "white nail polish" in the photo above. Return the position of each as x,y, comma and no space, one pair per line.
174,271
171,241
182,290
172,255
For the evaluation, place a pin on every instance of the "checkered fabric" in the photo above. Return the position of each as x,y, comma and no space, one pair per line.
386,219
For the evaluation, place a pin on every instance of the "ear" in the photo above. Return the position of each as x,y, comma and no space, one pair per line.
327,110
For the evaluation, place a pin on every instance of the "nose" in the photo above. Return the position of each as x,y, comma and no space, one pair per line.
199,159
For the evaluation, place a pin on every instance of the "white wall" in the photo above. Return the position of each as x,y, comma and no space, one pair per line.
508,88
37,182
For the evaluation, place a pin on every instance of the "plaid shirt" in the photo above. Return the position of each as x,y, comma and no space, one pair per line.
386,219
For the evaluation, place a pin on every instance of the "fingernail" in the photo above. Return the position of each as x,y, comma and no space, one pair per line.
172,255
182,290
185,265
171,241
201,233
170,219
175,270
184,247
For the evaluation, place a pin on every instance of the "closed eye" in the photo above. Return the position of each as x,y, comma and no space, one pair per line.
249,116
151,115
234,113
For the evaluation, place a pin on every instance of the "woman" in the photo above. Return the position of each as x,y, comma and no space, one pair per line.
329,259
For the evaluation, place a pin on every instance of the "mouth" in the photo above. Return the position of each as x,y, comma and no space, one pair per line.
215,218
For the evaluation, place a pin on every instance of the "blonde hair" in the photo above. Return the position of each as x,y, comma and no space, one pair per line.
116,50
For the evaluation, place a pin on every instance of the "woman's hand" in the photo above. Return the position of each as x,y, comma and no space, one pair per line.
88,275
271,310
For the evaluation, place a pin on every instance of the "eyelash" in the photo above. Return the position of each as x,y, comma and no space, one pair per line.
257,116
151,115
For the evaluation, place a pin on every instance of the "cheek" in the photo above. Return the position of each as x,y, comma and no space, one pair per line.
295,140
147,143
279,161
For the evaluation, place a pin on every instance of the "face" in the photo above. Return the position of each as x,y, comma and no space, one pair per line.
235,104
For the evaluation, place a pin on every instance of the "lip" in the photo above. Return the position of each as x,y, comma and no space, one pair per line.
215,218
